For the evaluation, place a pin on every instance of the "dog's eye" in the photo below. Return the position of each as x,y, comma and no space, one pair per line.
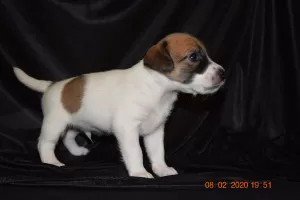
195,57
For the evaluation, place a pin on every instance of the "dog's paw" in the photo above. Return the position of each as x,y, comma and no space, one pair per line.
164,171
78,151
59,164
143,174
54,162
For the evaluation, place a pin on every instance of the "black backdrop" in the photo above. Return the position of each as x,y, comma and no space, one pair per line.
249,130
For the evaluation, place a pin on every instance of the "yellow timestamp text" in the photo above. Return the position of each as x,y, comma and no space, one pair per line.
238,184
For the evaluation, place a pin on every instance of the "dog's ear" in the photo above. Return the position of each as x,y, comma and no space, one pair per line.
158,58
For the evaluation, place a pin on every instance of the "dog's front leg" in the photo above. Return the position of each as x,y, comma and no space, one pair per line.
129,145
154,144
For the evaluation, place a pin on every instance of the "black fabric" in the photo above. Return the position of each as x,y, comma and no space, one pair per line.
247,131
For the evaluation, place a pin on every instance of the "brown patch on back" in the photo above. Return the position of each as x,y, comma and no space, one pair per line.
166,56
72,94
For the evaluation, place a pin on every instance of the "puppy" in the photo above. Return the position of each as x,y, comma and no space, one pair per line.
128,103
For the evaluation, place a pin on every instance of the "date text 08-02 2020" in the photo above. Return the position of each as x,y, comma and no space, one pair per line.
238,184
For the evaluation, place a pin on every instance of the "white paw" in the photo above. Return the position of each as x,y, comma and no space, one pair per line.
54,162
164,171
143,174
59,164
79,151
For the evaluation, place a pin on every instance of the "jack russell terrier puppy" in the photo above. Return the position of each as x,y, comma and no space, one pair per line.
129,103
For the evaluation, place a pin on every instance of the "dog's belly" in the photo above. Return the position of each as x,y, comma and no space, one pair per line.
103,122
85,126
93,120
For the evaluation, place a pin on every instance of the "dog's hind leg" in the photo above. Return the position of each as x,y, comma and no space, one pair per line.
72,146
53,127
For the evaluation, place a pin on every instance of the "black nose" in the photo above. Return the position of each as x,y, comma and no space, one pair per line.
221,73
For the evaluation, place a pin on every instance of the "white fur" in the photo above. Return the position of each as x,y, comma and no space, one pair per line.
129,103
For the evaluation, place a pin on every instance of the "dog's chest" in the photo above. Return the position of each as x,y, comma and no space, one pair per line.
158,114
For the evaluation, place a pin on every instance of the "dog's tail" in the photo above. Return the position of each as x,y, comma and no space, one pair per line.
32,83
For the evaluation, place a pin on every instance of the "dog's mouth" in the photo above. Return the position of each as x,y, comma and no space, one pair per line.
218,85
208,90
213,89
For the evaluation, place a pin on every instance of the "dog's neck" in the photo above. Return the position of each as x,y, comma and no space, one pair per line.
162,81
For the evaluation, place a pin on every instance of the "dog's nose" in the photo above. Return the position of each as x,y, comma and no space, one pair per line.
221,73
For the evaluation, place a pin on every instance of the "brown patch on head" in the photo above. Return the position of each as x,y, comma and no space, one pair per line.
181,43
72,94
169,56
